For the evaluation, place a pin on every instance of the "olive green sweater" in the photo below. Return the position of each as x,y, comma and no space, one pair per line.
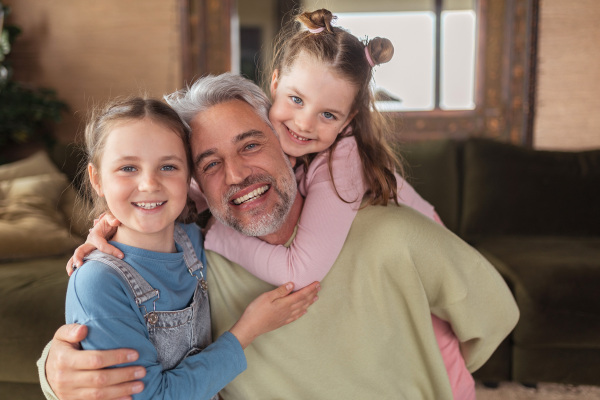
370,335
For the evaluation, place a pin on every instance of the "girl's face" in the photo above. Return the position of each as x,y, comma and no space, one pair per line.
311,106
143,175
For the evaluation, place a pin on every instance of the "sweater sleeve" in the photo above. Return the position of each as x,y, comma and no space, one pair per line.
41,365
115,323
323,226
464,289
196,195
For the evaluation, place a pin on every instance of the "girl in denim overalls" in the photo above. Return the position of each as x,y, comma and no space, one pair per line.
155,299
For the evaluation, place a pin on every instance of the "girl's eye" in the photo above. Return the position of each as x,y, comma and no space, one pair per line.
168,168
328,115
296,99
128,169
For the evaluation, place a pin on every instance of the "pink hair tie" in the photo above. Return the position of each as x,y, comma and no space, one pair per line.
316,30
369,59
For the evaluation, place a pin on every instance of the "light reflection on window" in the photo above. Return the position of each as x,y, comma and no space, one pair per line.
407,82
458,60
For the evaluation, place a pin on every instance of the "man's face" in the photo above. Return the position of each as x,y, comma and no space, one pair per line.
246,178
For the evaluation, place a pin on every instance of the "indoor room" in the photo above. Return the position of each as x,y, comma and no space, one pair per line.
490,106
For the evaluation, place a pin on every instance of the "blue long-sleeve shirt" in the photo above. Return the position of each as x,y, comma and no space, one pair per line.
100,299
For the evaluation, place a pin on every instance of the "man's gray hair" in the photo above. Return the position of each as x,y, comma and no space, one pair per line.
212,90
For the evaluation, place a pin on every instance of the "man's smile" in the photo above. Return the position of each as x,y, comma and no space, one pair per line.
250,196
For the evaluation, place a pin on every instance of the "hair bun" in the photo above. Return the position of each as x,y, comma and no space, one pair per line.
317,19
381,50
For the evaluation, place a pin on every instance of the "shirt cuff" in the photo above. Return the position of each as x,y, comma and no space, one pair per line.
41,365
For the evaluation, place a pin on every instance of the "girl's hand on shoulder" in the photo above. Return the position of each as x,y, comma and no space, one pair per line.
272,310
104,228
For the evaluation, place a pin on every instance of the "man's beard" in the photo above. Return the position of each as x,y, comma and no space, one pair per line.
261,223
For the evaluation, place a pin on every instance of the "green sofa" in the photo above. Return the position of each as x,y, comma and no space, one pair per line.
38,232
534,214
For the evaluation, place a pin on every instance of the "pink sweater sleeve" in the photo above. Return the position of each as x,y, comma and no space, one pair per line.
323,226
197,196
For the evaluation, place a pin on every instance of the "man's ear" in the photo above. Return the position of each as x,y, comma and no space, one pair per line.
95,179
274,81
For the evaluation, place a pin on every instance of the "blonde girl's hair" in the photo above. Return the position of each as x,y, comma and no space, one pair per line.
104,119
312,34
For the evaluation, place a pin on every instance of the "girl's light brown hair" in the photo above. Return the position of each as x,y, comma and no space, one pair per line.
347,56
105,118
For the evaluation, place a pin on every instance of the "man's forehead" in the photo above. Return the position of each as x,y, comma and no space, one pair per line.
228,118
225,124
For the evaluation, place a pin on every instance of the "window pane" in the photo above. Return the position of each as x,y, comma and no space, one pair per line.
457,60
409,76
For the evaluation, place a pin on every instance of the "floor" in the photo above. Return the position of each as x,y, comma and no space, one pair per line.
544,391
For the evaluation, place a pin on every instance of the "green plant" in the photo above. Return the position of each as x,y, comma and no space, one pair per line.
26,113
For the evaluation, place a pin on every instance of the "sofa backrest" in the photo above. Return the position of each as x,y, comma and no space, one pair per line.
433,168
510,189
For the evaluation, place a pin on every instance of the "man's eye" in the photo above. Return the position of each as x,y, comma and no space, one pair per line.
296,99
209,166
251,146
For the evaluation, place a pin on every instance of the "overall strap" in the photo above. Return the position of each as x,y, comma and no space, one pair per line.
194,265
141,289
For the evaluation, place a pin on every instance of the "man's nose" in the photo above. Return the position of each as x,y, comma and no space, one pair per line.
149,182
236,172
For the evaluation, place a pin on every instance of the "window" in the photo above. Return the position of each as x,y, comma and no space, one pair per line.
429,70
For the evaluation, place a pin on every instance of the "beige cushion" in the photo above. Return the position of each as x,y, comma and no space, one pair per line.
75,213
31,224
36,164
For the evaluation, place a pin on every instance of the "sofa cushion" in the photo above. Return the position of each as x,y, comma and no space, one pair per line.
555,283
433,169
36,164
510,189
32,308
31,224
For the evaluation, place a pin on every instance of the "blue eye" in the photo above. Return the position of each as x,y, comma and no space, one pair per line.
168,168
128,169
296,99
209,165
328,115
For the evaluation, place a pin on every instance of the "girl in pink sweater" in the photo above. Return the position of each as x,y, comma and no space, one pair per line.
323,112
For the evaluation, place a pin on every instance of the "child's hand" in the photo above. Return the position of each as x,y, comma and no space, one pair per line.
104,228
272,310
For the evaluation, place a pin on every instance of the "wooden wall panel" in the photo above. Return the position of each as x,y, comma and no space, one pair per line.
90,51
568,78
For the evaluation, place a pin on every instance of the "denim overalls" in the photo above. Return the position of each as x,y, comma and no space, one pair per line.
175,334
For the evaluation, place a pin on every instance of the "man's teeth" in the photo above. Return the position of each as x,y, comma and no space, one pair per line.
253,194
149,206
296,136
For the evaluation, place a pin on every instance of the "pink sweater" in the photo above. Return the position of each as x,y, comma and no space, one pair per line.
321,232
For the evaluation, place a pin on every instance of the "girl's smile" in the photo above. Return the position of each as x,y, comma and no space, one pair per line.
143,176
311,106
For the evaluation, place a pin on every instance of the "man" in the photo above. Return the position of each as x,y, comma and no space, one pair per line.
370,334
